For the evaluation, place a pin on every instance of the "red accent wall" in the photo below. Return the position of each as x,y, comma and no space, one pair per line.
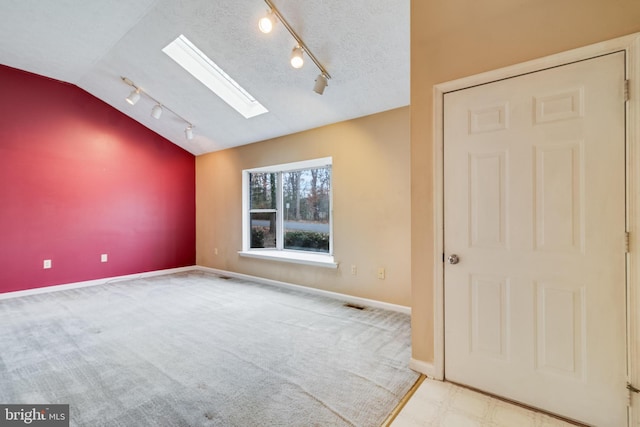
79,179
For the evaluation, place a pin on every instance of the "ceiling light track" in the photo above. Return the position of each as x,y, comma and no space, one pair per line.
157,110
324,74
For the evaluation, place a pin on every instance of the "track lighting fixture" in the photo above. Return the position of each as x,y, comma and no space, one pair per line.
297,61
321,83
157,110
188,132
296,57
267,22
134,96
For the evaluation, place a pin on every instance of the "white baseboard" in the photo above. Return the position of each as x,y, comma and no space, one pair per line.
95,282
424,368
329,294
334,295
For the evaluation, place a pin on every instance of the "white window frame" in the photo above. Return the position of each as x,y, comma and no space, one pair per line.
280,253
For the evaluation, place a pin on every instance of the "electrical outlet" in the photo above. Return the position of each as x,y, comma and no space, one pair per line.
381,273
215,251
354,270
104,258
46,264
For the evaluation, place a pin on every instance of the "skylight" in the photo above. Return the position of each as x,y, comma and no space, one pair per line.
200,66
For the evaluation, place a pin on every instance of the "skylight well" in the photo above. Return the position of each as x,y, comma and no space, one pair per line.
200,66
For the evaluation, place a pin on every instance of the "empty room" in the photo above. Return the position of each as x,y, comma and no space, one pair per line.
296,213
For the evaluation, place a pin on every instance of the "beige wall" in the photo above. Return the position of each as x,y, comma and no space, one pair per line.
371,202
451,39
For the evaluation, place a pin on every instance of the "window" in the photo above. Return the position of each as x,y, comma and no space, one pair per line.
287,212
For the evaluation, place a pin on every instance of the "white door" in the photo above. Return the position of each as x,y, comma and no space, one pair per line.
534,193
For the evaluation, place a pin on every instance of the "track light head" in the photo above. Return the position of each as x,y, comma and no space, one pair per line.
188,132
133,97
321,83
296,57
267,22
156,111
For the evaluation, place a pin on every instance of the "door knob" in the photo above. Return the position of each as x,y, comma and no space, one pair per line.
453,259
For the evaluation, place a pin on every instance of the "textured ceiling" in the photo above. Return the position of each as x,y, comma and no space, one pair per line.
364,44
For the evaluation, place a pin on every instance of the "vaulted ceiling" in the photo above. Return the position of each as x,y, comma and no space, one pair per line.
364,44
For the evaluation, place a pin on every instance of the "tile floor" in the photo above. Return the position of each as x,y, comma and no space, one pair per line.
441,404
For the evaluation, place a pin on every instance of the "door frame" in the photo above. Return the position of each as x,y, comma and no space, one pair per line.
631,46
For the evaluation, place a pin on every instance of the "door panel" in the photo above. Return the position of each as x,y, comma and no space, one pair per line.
534,206
560,329
487,207
558,195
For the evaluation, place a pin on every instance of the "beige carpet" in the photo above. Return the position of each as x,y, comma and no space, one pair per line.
194,349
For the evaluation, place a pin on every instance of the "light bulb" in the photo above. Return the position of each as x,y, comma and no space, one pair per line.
267,22
296,57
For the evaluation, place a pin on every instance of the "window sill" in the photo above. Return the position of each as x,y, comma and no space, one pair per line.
318,260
